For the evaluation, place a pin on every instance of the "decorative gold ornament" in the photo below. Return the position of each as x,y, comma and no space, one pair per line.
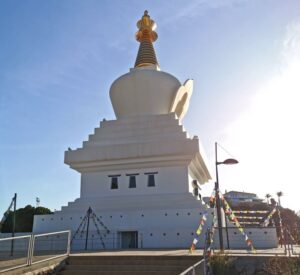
146,28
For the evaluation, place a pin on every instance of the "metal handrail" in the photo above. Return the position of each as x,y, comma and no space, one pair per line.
14,238
52,233
191,268
31,246
28,251
54,257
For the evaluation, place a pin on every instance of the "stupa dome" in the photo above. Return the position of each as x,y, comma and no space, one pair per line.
143,91
146,90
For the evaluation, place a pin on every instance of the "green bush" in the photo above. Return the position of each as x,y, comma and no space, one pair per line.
282,266
222,265
225,265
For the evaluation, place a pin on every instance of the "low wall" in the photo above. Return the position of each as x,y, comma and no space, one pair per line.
262,237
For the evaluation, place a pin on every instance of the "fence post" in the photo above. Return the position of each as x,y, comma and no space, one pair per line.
285,239
291,241
29,250
69,243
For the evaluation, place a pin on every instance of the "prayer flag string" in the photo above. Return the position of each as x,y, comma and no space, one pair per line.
280,225
267,220
201,224
233,218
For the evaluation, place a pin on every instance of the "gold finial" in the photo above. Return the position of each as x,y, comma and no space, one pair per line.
146,28
146,35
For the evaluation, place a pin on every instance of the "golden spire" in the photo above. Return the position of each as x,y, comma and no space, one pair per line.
146,35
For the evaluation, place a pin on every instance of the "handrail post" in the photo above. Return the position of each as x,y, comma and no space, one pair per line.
285,239
29,250
291,241
27,258
69,243
32,249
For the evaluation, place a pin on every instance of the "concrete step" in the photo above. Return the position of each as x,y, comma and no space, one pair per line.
129,260
129,267
120,272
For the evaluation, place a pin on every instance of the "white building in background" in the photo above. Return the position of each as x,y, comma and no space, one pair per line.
237,197
140,172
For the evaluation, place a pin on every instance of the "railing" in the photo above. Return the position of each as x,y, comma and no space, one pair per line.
292,240
269,240
196,269
287,244
14,252
33,249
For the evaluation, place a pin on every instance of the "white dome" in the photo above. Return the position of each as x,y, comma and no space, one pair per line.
143,91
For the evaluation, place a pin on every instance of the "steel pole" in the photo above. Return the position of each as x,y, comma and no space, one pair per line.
227,236
218,200
13,225
87,229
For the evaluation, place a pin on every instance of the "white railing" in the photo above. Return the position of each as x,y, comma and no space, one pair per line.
196,269
39,248
10,246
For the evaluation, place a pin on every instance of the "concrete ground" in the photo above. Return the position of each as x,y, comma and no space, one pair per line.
280,251
6,262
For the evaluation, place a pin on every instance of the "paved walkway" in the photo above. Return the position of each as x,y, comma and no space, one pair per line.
138,252
6,262
184,252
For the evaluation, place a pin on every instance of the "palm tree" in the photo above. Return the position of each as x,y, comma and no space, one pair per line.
267,197
279,194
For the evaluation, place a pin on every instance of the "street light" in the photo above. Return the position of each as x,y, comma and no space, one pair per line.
227,162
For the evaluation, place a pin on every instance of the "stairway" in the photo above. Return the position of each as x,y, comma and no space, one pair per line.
127,265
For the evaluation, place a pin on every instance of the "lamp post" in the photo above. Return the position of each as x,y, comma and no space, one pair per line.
217,189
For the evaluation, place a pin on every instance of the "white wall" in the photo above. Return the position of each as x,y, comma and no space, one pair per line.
167,180
157,228
262,237
168,228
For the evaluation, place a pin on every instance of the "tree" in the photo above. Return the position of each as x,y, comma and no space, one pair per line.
290,218
267,197
273,202
279,194
24,218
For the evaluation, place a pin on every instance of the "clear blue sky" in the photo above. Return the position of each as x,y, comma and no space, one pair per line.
59,57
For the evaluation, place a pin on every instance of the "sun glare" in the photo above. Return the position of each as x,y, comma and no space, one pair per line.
267,135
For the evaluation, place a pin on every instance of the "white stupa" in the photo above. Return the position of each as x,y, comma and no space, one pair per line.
140,172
